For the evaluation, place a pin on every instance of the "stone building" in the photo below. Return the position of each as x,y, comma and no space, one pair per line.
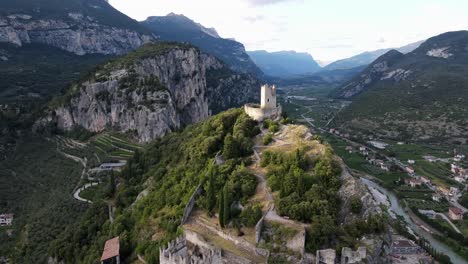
268,107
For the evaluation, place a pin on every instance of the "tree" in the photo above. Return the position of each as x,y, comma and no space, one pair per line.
111,185
221,209
356,205
211,189
226,206
230,149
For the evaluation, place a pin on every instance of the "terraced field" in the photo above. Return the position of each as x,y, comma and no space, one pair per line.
112,146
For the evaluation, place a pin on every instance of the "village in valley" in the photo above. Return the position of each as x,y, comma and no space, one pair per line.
428,181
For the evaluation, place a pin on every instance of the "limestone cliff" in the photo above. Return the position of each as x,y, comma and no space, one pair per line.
77,26
152,91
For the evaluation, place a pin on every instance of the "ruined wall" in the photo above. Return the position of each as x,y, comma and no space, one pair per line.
349,256
191,203
259,227
190,248
260,114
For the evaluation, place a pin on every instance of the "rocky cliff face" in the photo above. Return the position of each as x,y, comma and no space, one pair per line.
152,91
78,34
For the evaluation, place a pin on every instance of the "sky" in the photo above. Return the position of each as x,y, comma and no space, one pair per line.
327,29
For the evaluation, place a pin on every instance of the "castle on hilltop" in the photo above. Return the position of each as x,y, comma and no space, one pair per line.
268,107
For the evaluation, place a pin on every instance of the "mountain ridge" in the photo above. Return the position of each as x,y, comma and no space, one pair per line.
180,28
420,95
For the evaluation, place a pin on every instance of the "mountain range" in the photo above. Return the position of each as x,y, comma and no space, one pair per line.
367,57
284,63
420,95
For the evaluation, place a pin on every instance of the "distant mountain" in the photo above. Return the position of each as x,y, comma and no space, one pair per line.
78,26
421,95
284,63
367,57
182,29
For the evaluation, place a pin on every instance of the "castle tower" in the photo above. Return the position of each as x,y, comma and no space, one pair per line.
268,97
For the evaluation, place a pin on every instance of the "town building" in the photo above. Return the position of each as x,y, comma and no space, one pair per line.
443,190
429,213
411,161
454,190
268,107
460,179
409,169
6,219
425,180
325,256
404,247
112,166
111,253
414,182
436,197
454,168
455,213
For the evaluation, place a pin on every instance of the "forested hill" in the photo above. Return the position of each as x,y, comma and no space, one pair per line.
168,170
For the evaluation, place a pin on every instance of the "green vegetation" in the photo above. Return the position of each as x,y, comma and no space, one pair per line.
170,168
36,183
267,139
301,194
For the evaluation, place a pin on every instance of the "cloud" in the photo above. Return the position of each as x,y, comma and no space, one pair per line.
381,40
269,2
253,19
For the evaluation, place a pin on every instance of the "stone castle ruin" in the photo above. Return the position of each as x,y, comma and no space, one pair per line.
268,107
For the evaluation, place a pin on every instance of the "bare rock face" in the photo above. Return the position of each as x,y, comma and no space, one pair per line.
78,34
150,96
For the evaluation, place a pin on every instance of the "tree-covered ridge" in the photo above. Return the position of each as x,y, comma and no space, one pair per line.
168,170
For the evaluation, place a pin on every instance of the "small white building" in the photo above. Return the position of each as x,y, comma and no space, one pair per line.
411,161
6,219
460,179
436,197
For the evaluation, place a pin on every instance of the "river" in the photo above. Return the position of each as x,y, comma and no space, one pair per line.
398,209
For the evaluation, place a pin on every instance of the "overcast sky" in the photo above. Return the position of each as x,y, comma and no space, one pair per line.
327,29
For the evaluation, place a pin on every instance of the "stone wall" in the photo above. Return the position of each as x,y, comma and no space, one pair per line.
260,114
259,227
349,256
191,203
190,248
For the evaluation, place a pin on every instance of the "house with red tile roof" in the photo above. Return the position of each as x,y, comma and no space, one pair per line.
455,213
111,253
